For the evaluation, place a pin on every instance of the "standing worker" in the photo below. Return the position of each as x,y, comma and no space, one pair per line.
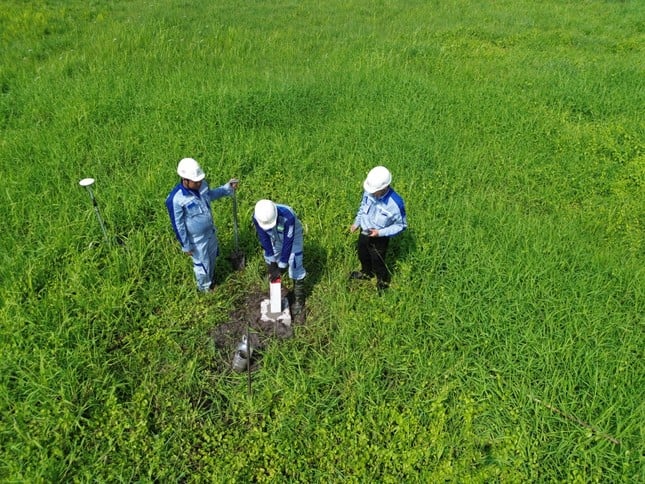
189,207
381,215
280,234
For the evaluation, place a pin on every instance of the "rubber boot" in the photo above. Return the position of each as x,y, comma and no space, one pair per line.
298,308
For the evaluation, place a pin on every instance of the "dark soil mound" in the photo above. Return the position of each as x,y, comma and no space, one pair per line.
227,336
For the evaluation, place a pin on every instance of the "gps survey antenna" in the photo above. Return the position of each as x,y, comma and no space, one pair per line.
87,183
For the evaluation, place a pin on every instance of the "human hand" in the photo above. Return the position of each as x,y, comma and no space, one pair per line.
233,182
371,232
274,271
353,228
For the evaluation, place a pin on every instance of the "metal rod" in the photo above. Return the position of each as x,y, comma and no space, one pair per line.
248,362
235,222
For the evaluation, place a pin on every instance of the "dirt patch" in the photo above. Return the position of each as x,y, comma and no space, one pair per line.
227,336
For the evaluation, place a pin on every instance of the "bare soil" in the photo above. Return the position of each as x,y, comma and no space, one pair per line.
227,336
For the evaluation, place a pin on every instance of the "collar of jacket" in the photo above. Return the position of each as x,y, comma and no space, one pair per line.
188,191
382,198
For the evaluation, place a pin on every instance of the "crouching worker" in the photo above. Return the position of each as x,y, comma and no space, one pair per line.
280,234
381,215
189,207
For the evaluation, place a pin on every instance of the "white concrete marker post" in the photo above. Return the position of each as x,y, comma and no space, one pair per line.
275,295
276,308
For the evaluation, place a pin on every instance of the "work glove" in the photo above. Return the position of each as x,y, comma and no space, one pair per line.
274,271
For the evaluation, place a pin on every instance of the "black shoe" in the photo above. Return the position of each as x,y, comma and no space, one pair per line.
298,313
382,286
360,276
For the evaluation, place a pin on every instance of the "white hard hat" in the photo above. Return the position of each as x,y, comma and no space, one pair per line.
377,179
190,169
266,214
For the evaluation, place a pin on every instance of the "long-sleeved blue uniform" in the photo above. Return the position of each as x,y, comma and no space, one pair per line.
284,242
385,214
192,221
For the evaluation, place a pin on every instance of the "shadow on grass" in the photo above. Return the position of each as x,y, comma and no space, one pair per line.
400,248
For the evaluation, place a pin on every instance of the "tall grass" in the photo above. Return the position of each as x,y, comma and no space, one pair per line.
509,347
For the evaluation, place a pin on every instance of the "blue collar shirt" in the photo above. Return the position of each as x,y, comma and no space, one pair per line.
190,213
385,214
282,240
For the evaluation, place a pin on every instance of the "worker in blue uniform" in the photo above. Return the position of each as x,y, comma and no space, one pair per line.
280,233
381,215
189,207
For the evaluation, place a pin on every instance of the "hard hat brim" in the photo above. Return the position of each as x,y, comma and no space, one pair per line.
373,188
267,226
197,178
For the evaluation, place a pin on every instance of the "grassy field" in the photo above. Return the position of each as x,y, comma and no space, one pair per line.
510,345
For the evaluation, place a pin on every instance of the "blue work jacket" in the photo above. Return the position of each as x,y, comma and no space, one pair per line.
190,213
385,214
283,239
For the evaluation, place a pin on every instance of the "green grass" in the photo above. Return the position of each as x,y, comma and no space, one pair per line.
510,345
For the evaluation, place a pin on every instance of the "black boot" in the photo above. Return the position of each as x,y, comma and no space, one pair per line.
382,286
298,308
